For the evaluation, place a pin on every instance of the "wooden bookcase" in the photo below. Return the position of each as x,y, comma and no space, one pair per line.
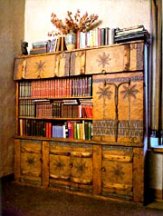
99,95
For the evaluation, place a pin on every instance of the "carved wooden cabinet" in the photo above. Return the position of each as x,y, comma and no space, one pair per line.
105,155
71,166
29,161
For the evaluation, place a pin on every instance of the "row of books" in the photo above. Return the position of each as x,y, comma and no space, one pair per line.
56,109
70,129
73,130
70,87
95,37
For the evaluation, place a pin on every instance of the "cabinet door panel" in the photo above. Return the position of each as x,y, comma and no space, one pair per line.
77,63
118,107
59,167
62,64
81,169
40,67
117,173
31,165
117,58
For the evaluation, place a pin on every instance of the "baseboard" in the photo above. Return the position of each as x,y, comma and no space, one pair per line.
8,178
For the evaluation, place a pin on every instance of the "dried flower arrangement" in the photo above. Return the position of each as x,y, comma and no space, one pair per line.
75,23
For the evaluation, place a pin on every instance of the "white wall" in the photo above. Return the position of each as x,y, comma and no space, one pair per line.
113,13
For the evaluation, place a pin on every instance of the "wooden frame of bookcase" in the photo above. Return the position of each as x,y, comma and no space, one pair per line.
98,144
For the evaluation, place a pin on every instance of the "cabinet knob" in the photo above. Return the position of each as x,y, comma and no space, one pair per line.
71,165
103,71
103,169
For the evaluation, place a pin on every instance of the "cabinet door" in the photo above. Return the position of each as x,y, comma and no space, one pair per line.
117,172
81,168
115,58
62,64
59,164
36,67
118,107
30,166
71,166
40,67
78,61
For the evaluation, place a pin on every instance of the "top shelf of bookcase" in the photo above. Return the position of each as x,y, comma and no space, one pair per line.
106,59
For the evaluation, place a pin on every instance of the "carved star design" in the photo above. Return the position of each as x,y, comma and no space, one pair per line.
30,160
104,59
59,165
117,171
81,167
40,66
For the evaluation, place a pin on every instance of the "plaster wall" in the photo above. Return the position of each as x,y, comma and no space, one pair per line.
11,34
113,13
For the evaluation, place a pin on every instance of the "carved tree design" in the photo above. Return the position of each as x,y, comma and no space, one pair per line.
116,86
104,93
128,92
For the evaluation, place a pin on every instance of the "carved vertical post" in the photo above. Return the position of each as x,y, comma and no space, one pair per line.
45,163
97,160
138,175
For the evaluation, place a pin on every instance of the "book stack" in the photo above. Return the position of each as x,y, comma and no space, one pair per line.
39,47
131,33
59,131
95,37
80,130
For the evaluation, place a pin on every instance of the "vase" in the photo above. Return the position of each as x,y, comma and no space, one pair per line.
70,40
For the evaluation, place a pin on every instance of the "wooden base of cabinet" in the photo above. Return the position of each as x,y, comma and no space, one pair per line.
97,170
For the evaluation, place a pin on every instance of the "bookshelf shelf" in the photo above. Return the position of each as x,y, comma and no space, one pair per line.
57,119
54,98
77,122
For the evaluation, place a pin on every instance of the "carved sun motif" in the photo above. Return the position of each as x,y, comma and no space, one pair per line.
80,167
117,171
59,165
104,92
104,59
40,66
129,91
30,161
